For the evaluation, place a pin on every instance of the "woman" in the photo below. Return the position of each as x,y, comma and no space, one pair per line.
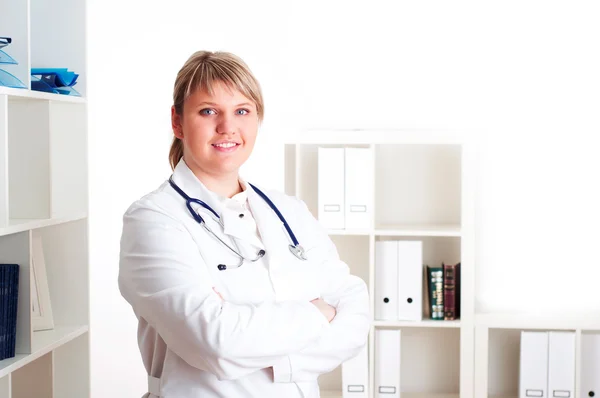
213,324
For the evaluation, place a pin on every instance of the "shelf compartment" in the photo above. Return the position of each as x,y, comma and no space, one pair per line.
28,159
5,387
71,368
428,323
435,251
59,45
65,249
43,342
430,362
417,184
14,24
34,379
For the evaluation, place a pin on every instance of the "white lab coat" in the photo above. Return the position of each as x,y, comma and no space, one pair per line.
196,344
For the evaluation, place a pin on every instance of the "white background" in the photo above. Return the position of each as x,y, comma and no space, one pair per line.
522,77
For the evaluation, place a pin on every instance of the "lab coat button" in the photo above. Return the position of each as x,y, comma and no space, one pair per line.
241,215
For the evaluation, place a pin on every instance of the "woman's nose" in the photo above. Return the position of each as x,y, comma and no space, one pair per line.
226,125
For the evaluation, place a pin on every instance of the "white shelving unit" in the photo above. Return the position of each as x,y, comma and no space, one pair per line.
497,347
423,188
44,194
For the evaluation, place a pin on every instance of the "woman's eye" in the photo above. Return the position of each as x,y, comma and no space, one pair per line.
207,111
243,111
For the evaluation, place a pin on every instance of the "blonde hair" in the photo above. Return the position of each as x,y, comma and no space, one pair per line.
201,71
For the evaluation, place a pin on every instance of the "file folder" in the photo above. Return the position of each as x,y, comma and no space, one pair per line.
355,375
331,187
561,364
410,280
359,188
387,363
386,280
590,365
533,370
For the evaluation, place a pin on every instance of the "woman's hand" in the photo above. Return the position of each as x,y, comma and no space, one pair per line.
327,310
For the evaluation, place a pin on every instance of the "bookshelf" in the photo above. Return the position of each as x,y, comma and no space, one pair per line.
423,187
44,196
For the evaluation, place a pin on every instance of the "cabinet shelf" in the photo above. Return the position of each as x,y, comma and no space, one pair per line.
20,225
419,230
42,343
418,324
24,94
559,321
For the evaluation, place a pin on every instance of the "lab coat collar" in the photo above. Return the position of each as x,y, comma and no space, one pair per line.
232,224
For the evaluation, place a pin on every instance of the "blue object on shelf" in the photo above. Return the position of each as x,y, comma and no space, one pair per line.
7,59
54,80
67,90
59,76
38,84
8,80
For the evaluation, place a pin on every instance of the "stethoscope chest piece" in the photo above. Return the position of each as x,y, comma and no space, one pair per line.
298,251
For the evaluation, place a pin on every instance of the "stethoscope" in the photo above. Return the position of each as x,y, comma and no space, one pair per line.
294,247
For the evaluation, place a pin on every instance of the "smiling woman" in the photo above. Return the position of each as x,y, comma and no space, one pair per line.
229,303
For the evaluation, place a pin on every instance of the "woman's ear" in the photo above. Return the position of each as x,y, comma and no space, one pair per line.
176,123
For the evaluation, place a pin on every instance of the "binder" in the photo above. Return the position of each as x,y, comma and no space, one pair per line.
533,370
331,187
410,280
561,364
590,365
387,363
359,188
386,280
355,375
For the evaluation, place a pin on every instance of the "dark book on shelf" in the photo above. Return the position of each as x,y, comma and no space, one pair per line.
435,281
451,291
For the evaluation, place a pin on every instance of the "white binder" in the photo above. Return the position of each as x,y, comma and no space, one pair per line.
410,280
386,280
355,375
590,365
561,364
533,370
387,363
331,187
359,188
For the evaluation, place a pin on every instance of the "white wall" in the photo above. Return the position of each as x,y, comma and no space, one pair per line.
522,76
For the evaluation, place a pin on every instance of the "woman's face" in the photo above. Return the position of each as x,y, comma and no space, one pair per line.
218,131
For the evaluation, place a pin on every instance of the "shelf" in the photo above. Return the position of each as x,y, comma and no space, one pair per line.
43,342
374,136
418,230
350,232
21,93
557,321
338,394
418,324
19,225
